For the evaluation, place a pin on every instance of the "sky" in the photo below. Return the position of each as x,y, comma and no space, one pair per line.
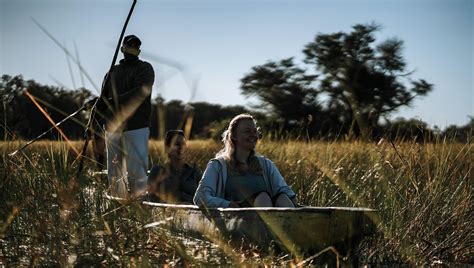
209,45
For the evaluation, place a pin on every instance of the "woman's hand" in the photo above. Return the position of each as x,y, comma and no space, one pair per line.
235,204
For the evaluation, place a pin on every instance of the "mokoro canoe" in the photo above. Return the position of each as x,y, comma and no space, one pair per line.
297,230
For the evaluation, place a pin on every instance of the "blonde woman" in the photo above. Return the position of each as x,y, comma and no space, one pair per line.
238,177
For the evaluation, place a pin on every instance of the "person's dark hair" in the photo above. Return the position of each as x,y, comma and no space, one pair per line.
132,41
170,134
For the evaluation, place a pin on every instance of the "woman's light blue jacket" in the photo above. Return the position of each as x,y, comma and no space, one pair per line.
211,190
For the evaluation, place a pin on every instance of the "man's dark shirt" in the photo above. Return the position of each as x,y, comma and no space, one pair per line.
128,78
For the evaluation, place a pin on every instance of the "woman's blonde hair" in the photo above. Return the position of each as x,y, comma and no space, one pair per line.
228,135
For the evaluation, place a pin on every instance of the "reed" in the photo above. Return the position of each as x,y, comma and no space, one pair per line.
422,191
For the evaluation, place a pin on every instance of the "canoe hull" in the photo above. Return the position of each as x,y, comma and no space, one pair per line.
305,229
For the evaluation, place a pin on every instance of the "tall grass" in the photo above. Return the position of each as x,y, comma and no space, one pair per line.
423,194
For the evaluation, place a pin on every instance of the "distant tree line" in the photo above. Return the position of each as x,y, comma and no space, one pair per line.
353,87
21,119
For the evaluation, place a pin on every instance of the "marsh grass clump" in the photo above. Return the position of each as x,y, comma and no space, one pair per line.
423,193
51,219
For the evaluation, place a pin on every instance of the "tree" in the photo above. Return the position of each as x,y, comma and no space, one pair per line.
362,80
20,117
408,129
171,115
460,133
206,114
284,90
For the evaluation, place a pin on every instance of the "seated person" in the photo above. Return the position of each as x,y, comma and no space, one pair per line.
176,181
240,178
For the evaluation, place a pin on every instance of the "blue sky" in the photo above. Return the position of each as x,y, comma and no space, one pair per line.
217,42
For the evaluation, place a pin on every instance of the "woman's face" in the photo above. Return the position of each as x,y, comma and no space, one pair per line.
177,150
246,135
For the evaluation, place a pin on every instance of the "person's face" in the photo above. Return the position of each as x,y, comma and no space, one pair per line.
246,135
176,150
133,50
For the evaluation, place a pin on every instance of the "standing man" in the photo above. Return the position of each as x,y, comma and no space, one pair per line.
126,106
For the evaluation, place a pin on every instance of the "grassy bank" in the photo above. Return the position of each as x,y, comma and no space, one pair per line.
423,192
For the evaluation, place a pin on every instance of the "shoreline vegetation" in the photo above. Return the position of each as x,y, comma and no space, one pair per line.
423,193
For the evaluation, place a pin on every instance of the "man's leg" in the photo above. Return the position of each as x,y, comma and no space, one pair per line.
115,164
136,145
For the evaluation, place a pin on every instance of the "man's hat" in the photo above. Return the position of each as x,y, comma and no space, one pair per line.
132,41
